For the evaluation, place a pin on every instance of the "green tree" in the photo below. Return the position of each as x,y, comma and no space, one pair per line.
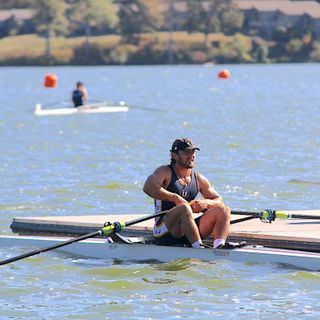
259,51
198,18
225,16
235,51
15,4
50,19
294,46
92,13
153,7
134,18
195,13
232,18
315,53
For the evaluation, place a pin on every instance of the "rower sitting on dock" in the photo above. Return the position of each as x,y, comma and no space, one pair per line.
174,188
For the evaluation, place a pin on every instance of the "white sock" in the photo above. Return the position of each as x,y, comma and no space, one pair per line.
197,244
218,242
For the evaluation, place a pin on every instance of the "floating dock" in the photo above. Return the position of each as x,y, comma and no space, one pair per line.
296,234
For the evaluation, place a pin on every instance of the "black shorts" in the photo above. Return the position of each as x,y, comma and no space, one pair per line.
168,239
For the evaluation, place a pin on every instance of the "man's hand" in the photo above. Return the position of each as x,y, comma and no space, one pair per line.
178,200
198,205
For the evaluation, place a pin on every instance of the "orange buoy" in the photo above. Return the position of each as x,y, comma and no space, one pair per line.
224,74
50,80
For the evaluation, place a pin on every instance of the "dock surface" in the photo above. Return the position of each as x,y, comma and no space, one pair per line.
300,232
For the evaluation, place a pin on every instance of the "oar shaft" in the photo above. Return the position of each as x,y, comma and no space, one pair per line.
241,220
146,108
107,230
32,253
246,213
277,214
303,216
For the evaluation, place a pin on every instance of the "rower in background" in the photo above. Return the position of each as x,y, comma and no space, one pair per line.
79,95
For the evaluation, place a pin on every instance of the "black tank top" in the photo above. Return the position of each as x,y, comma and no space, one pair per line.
77,98
188,192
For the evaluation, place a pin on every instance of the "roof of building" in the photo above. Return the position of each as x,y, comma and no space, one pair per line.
19,14
291,8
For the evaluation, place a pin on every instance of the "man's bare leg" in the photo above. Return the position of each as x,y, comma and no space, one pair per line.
215,222
179,221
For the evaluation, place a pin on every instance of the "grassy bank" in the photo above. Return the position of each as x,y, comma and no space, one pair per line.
31,47
110,49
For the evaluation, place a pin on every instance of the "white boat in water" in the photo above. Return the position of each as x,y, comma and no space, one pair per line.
99,107
100,248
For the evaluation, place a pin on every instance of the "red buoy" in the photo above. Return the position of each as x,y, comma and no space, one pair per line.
50,80
224,74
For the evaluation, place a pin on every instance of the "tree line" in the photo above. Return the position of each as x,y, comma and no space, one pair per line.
131,18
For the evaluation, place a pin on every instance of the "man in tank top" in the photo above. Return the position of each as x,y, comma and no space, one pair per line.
174,188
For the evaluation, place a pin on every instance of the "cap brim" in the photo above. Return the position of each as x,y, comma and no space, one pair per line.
191,148
187,148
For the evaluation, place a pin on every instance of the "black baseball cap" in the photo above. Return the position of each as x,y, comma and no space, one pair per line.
183,144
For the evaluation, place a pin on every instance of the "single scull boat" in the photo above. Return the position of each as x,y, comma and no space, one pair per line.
104,249
102,107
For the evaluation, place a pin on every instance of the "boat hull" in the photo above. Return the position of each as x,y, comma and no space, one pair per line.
92,108
102,249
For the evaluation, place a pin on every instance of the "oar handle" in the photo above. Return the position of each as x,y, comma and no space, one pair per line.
109,228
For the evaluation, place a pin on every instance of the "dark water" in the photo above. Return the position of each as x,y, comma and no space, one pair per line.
259,137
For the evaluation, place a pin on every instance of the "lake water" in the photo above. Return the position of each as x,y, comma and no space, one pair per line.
259,136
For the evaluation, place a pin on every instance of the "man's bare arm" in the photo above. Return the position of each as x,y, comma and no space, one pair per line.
155,183
211,197
153,186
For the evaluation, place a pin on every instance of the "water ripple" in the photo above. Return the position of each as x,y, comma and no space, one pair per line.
259,141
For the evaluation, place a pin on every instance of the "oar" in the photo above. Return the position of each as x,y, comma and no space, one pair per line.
105,231
132,106
146,108
57,103
270,215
